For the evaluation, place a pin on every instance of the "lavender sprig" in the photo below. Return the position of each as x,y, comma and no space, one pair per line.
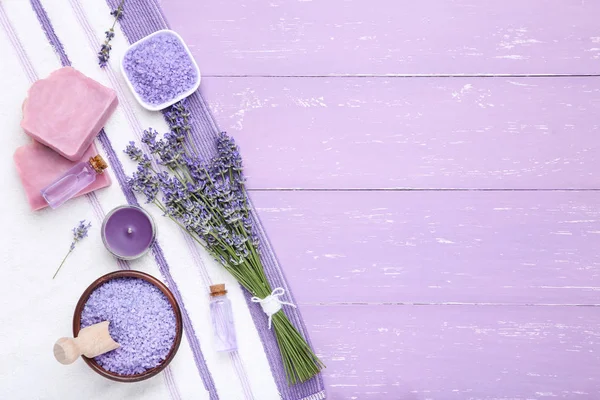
104,53
207,198
79,232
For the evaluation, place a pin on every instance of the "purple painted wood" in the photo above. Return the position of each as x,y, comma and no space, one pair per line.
458,352
437,247
527,258
413,133
286,37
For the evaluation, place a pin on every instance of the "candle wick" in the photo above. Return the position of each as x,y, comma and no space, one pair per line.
129,231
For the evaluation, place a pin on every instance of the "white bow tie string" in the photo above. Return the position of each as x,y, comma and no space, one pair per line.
272,304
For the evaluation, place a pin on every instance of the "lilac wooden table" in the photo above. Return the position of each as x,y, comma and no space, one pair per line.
428,173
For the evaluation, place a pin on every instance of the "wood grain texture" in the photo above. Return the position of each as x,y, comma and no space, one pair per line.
457,352
437,247
510,277
500,133
323,37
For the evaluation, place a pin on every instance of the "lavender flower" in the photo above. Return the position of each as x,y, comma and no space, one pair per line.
104,53
178,118
79,232
134,153
207,198
144,181
149,139
118,12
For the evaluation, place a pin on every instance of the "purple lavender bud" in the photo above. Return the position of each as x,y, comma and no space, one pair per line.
255,240
248,223
149,136
80,232
102,59
134,153
118,12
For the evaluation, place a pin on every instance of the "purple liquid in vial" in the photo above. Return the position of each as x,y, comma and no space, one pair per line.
222,319
73,181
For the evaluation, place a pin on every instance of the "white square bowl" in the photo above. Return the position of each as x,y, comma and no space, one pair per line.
182,96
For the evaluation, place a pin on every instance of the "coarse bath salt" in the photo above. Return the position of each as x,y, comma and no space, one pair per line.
141,320
160,70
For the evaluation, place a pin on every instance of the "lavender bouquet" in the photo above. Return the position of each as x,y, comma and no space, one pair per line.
207,199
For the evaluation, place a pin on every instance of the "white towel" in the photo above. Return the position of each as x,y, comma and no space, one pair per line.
36,310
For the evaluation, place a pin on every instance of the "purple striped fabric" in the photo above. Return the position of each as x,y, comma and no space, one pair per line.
33,76
136,126
92,198
171,385
131,199
141,18
16,43
240,371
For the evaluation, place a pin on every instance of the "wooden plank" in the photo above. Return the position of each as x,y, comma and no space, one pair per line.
457,352
287,37
413,133
436,247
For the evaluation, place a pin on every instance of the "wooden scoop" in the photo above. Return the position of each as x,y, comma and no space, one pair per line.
91,342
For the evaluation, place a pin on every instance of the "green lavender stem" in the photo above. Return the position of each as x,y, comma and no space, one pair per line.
79,232
61,264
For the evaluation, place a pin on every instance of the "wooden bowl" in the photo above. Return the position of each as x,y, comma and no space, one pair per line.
178,333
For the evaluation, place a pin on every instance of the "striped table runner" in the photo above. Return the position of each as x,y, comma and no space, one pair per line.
37,38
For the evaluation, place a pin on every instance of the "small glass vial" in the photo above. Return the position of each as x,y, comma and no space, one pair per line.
222,319
73,181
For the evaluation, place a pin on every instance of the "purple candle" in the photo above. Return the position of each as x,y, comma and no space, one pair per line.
128,232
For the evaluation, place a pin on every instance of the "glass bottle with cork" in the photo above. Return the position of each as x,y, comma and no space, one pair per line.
73,181
222,319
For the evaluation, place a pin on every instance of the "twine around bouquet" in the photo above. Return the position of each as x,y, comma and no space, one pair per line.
271,304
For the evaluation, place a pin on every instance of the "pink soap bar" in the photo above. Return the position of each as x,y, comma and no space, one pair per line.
38,166
66,111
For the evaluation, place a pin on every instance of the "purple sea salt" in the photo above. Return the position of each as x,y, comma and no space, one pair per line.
160,69
141,320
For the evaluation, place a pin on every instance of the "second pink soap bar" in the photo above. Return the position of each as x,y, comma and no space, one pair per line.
66,111
38,166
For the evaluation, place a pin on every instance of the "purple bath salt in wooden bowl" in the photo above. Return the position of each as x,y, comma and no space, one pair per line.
160,70
143,317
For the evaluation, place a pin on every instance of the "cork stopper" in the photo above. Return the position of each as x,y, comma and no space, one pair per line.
98,163
218,290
